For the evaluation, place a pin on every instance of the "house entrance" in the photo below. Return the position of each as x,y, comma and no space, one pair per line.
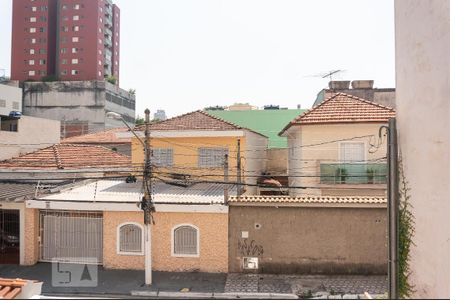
9,236
71,237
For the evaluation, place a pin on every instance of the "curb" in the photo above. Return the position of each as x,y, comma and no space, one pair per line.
193,295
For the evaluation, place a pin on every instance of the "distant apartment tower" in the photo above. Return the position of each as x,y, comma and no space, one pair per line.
72,40
160,115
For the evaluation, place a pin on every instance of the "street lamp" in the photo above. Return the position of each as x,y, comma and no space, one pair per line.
146,204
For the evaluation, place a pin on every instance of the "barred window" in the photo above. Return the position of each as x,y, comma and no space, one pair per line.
211,157
130,237
162,157
185,241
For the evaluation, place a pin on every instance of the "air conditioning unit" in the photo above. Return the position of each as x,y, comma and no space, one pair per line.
250,263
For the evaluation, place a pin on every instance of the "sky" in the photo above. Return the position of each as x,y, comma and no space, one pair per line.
184,55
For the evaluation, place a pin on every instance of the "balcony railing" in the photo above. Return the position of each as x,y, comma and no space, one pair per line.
353,173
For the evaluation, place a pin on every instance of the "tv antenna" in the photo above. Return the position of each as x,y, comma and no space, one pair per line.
328,74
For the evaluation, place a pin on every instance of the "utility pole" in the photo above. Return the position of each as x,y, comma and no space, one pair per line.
238,177
393,208
225,179
147,205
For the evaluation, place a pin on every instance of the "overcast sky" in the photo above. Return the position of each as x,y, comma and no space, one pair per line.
183,55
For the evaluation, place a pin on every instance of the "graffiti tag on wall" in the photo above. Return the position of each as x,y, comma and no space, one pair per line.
251,249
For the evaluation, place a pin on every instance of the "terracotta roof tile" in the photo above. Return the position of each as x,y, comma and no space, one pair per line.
197,120
308,200
11,288
103,137
344,108
68,156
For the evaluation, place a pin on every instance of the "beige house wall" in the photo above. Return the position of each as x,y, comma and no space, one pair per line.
423,110
29,136
305,240
305,161
213,235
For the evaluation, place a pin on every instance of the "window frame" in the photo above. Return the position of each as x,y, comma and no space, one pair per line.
172,241
364,143
118,251
153,157
199,163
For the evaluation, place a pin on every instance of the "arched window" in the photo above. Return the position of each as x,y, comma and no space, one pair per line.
185,241
130,238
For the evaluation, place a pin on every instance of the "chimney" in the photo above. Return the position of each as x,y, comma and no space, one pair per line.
339,85
362,84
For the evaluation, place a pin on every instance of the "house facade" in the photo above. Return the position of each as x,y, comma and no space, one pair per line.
335,148
19,224
101,222
193,146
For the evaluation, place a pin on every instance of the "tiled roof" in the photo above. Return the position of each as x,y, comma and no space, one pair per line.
197,120
103,137
307,200
15,288
13,191
344,108
67,156
120,191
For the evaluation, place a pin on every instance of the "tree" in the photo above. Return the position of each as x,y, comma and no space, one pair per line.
132,92
139,121
111,79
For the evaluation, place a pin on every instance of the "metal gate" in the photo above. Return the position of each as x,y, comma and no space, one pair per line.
71,237
9,236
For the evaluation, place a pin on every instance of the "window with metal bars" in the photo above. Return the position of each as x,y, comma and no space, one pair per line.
130,239
211,157
162,157
185,241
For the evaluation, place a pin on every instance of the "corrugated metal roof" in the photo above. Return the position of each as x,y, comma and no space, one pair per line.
122,192
16,191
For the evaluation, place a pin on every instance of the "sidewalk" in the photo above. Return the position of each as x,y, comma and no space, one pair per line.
124,283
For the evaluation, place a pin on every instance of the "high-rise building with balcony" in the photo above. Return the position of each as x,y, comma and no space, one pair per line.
72,40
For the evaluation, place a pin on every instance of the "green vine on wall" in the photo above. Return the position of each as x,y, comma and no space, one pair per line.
406,234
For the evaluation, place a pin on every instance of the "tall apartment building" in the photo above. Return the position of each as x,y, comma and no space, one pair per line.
73,40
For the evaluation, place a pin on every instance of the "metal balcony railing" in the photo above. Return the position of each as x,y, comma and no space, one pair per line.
353,173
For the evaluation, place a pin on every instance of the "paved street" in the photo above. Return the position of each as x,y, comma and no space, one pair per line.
123,282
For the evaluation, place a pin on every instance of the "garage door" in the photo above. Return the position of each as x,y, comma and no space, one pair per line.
72,237
9,236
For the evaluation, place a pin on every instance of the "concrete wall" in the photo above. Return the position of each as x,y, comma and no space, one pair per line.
76,102
384,97
255,162
423,106
29,137
309,240
213,242
277,161
10,94
305,161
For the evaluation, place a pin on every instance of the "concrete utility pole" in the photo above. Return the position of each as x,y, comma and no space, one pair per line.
393,208
238,158
225,179
147,205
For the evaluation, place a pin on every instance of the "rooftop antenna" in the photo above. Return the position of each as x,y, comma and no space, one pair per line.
327,74
331,73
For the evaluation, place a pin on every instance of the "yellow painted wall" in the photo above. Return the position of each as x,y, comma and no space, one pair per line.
185,154
213,242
